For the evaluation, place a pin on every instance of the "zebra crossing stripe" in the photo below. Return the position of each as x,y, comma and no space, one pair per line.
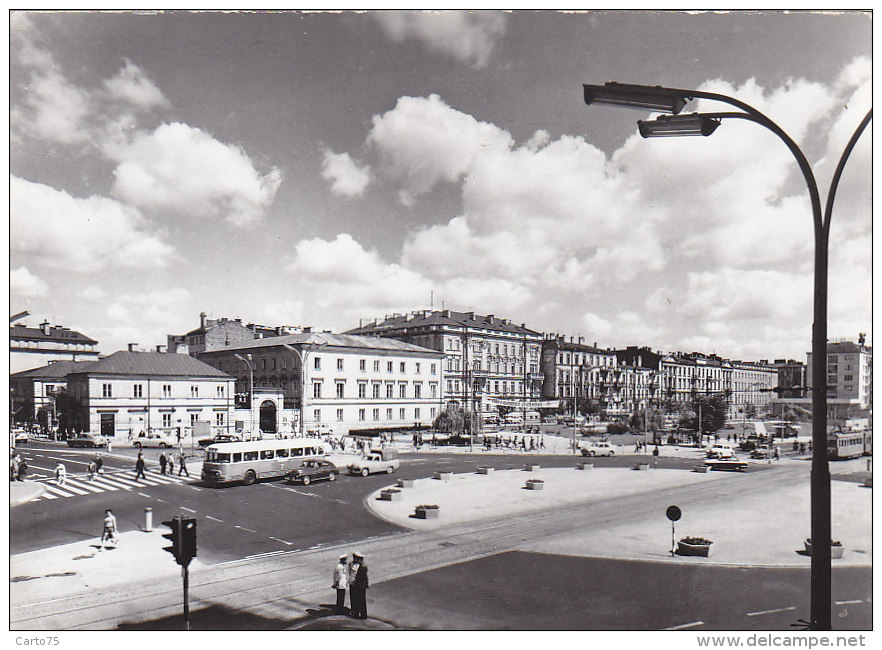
46,495
83,485
57,492
112,483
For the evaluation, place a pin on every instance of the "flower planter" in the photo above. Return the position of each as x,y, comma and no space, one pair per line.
531,467
642,467
391,495
427,512
443,476
701,469
868,482
584,465
694,550
836,549
485,470
535,484
404,482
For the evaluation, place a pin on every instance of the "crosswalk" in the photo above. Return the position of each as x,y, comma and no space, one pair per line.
75,486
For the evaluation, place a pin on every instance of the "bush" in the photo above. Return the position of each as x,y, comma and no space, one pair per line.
695,541
616,427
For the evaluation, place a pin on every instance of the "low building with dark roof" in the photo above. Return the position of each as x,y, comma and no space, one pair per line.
34,347
33,392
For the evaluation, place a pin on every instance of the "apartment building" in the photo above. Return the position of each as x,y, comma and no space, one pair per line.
35,347
849,378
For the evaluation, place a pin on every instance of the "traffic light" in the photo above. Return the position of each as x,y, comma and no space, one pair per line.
182,537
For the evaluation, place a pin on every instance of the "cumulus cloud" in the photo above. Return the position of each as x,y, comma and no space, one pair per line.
87,234
469,37
182,169
25,284
133,86
347,178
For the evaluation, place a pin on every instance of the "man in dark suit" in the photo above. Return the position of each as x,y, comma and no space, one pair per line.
358,586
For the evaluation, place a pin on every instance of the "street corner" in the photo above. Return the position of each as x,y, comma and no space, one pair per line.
23,491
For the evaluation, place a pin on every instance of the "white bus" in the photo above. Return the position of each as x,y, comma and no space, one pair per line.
228,462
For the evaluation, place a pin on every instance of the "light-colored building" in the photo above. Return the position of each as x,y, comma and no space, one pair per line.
352,383
35,347
580,375
487,360
849,379
129,392
33,392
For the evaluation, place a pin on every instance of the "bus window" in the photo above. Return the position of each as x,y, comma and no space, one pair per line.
297,451
223,458
250,455
281,453
266,454
237,457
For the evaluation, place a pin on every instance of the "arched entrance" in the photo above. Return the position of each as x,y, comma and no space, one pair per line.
268,418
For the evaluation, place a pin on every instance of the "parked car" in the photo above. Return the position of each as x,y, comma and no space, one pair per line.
313,470
155,439
720,452
378,460
221,437
86,439
602,448
762,453
731,464
20,435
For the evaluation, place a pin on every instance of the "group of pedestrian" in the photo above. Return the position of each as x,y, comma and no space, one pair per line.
522,443
166,464
354,576
18,468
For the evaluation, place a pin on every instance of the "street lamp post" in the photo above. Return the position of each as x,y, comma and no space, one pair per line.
247,360
303,356
673,100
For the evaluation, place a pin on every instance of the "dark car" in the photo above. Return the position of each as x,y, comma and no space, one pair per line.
313,470
204,442
86,440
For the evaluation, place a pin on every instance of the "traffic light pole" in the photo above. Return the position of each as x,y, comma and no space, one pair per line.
185,572
183,547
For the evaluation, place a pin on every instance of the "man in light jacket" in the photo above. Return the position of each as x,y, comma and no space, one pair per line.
341,582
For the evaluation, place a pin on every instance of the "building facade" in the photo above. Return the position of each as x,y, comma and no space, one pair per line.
486,359
216,334
340,383
35,347
578,375
33,393
126,393
849,379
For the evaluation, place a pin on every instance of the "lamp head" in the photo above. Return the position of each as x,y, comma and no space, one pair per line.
668,126
646,98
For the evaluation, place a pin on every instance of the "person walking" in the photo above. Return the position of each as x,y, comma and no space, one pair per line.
22,470
163,461
109,445
358,585
60,473
182,464
110,531
92,469
99,464
341,582
14,464
140,465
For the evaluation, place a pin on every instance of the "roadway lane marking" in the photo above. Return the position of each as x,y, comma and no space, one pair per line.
83,485
255,556
685,625
220,521
146,496
771,611
45,495
282,540
848,602
243,528
112,484
51,489
187,509
64,487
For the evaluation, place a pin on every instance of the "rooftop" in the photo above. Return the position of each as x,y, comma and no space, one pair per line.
331,340
448,317
56,333
149,363
57,370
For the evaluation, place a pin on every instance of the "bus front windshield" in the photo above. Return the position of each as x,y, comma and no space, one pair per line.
216,457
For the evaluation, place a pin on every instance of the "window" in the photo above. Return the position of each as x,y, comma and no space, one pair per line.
417,364
402,391
166,390
388,366
433,389
317,363
417,390
376,392
317,415
390,391
166,419
194,418
376,415
361,415
416,414
362,390
106,390
432,368
194,391
432,412
316,390
266,454
220,391
339,415
138,390
388,414
281,453
340,386
237,457
219,419
249,455
400,414
401,367
362,364
376,366
339,364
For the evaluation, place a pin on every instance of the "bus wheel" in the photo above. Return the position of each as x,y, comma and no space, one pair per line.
250,477
365,472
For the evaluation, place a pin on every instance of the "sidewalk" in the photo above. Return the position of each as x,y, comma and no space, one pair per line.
24,491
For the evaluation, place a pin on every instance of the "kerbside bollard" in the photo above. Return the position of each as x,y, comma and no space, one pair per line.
148,519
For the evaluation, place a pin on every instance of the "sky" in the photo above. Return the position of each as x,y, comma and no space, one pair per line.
316,169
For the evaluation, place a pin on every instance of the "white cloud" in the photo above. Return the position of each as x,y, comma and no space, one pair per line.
181,169
347,178
87,234
467,36
133,86
145,318
25,284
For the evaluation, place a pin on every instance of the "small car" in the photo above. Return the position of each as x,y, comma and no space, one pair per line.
761,453
86,439
602,448
720,452
21,435
222,437
378,460
312,470
155,439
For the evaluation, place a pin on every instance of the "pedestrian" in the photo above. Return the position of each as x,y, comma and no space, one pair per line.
541,442
99,464
22,470
171,464
110,532
60,473
163,461
14,464
358,585
140,465
341,582
109,446
182,464
92,470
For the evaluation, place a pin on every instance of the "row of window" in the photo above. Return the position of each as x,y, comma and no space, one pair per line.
390,390
375,414
138,390
499,349
219,419
263,454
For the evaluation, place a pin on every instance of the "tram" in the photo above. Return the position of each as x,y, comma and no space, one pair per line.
849,444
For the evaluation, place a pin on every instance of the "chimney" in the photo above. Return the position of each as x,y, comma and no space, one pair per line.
445,313
862,338
160,349
470,315
581,338
307,330
202,320
489,318
44,327
132,347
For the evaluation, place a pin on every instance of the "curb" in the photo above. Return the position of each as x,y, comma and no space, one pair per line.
27,491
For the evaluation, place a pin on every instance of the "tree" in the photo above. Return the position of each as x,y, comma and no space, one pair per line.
713,408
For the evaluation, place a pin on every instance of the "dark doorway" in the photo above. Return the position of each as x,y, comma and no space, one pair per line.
107,425
268,417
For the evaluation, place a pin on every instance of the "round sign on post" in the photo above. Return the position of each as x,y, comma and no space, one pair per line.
673,513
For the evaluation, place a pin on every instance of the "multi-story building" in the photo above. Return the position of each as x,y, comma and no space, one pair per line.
129,392
849,378
488,361
33,392
338,382
216,334
578,373
34,347
791,378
